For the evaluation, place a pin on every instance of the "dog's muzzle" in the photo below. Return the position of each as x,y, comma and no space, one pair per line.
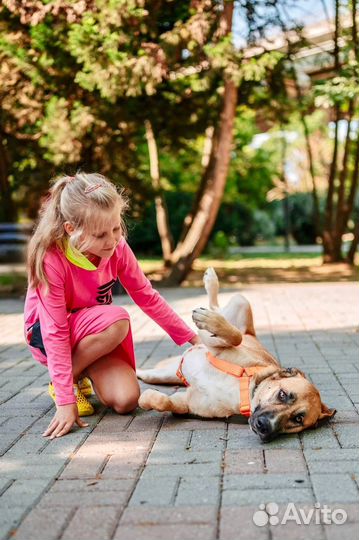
263,425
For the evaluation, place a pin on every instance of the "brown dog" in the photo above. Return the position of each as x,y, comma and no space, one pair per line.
232,373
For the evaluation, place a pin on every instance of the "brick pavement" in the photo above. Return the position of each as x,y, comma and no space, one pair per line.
149,475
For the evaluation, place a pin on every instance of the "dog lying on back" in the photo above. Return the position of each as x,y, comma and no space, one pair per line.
232,373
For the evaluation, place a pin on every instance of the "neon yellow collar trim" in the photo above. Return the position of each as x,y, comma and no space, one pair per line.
77,258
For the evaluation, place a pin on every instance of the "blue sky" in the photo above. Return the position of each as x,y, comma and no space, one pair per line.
304,11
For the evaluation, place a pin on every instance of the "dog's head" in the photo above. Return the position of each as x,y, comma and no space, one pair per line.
284,401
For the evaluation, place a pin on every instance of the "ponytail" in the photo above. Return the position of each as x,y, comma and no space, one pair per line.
76,199
49,231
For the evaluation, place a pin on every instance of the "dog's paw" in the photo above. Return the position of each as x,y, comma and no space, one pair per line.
210,278
205,319
141,373
152,399
146,399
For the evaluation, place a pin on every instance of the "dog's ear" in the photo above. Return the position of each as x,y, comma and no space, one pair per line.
290,372
326,413
264,373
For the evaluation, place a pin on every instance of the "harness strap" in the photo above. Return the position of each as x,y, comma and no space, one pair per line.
179,372
244,375
180,375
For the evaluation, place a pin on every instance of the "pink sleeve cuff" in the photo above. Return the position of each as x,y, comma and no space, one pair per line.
65,401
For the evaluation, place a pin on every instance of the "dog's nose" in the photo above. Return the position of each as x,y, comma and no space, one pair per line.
262,425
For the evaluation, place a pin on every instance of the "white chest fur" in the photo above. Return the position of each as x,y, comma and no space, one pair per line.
212,393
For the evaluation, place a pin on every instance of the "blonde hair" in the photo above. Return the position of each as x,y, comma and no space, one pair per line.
74,199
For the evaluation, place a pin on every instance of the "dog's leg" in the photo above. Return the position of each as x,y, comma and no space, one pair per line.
152,399
211,285
218,331
239,313
163,373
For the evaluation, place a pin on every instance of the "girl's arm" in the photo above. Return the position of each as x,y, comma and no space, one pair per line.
55,330
148,299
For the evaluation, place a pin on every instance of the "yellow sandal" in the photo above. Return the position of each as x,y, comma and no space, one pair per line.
85,386
84,407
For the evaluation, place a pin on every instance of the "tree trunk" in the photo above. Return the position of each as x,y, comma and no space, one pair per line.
328,243
163,225
340,222
208,155
316,208
205,217
354,245
8,211
200,225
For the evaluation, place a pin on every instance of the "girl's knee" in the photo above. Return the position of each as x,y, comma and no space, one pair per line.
126,404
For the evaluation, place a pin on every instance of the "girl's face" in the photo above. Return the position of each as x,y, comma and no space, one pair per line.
103,240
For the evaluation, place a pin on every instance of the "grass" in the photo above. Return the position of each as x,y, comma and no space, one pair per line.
233,271
236,270
13,284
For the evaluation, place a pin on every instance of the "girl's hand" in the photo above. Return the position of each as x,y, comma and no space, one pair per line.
196,340
64,419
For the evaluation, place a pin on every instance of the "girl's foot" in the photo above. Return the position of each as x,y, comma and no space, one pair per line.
85,386
83,405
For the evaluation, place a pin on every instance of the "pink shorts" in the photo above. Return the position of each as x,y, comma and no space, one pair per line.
94,320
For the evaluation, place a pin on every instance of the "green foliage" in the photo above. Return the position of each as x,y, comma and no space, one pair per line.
85,76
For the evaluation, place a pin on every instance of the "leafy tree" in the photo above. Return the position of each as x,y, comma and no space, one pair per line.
95,79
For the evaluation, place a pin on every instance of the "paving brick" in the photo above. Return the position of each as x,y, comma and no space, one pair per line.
188,469
348,435
243,437
149,515
116,468
99,523
204,491
284,461
333,466
184,456
335,488
164,532
247,497
320,438
155,491
43,525
23,493
85,466
10,518
237,522
178,423
297,531
265,481
59,499
347,531
92,485
170,467
243,461
37,466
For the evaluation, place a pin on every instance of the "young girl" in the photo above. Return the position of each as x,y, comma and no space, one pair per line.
76,254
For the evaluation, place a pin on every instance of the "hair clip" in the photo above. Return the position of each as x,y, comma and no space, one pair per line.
90,189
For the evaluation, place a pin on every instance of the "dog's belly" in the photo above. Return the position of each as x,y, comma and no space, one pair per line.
211,393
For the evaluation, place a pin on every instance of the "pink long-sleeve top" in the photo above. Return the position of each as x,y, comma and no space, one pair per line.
72,287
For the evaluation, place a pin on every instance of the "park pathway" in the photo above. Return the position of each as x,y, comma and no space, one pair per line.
155,476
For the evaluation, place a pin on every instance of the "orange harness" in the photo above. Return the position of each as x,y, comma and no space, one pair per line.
244,375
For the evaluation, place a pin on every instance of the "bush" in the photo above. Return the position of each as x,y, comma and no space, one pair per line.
302,226
218,247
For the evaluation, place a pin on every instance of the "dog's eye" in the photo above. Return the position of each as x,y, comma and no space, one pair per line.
298,419
282,396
